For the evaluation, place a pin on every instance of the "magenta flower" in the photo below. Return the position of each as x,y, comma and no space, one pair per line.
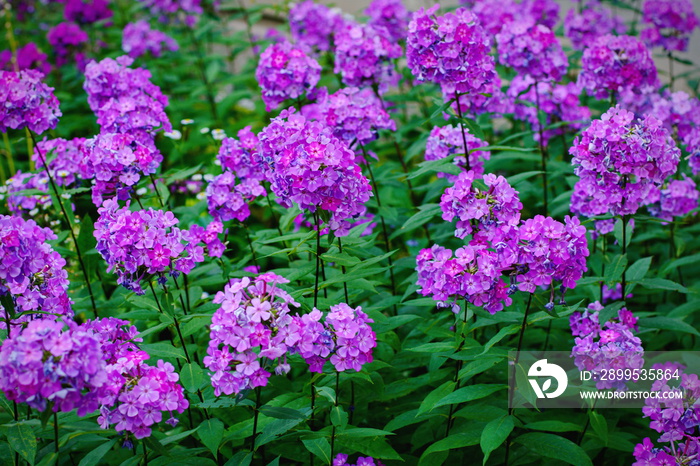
313,25
670,24
390,15
594,21
447,140
28,102
139,39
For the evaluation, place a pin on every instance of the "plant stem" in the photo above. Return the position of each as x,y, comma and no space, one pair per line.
255,418
624,252
671,76
10,158
342,268
464,135
543,150
250,245
335,404
55,431
318,267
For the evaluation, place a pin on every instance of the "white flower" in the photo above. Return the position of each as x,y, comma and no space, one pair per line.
174,134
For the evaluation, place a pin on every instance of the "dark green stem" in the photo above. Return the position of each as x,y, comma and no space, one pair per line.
543,151
464,135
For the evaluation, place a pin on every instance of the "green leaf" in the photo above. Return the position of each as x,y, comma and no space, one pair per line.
614,272
555,447
599,425
470,393
667,323
211,432
436,395
502,333
435,347
461,440
662,284
319,447
340,258
515,179
617,231
241,458
639,269
280,412
163,350
376,447
478,366
339,417
553,426
494,434
192,377
22,440
425,213
94,457
274,429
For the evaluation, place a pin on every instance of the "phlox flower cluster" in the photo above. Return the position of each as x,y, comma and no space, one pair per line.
28,57
489,214
447,140
313,25
670,24
619,161
252,328
67,40
117,161
137,245
493,15
558,102
473,272
229,193
551,251
65,158
685,452
22,204
209,237
612,345
346,338
139,39
532,49
286,72
307,164
180,11
45,365
342,460
31,272
676,198
594,21
451,50
544,12
613,64
390,15
27,102
363,56
86,12
354,114
124,99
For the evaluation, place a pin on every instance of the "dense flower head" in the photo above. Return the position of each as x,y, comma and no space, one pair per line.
613,64
551,251
286,72
490,213
447,140
544,12
473,272
123,98
117,161
117,337
493,15
27,205
313,25
137,245
139,39
28,57
354,114
391,15
86,12
67,40
28,102
685,452
45,365
342,460
594,21
179,11
305,163
345,338
611,345
670,23
251,330
558,102
364,56
676,198
65,157
532,49
619,160
451,50
31,272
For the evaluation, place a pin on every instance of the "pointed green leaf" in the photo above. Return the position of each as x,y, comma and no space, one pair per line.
22,440
211,433
494,434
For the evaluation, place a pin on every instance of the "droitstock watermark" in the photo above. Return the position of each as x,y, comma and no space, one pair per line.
612,379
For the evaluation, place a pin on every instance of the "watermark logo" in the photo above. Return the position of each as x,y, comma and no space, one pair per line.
542,368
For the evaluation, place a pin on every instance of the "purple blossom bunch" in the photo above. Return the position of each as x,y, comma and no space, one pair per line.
551,251
342,460
676,198
65,157
532,49
209,237
558,102
117,161
138,245
185,12
391,15
251,330
364,56
544,12
494,14
28,57
31,272
124,99
613,64
47,366
285,72
472,272
305,163
447,140
345,338
619,161
313,25
488,214
67,40
86,12
28,102
612,345
139,39
355,115
451,50
24,204
594,21
685,452
670,24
